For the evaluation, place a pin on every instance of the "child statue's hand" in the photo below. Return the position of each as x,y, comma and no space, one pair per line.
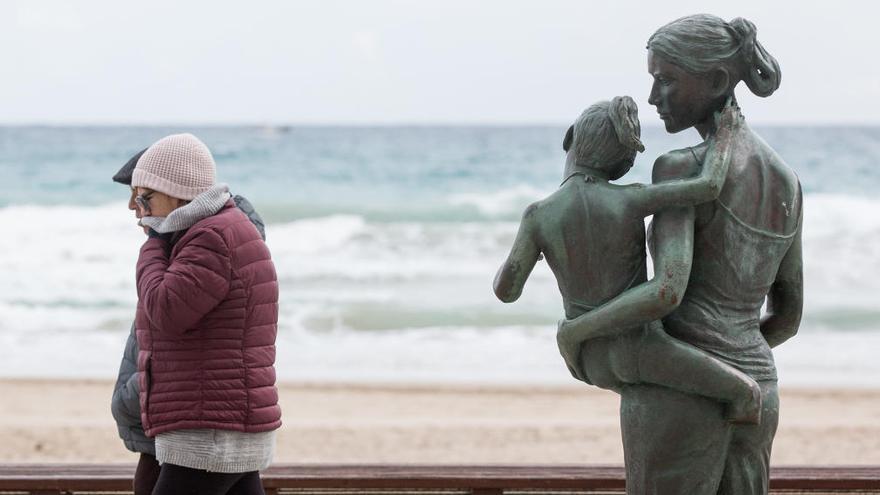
730,118
570,350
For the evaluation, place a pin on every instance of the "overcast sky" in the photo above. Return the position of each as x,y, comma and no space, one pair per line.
436,61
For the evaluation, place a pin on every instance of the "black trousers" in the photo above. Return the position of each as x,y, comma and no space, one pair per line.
178,480
146,475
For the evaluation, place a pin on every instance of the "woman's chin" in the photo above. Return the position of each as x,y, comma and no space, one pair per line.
672,127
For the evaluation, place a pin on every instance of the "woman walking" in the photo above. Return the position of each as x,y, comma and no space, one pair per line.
206,325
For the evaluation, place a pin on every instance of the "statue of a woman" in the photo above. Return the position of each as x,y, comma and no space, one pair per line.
721,260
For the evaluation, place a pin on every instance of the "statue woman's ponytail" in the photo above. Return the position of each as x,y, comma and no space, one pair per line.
760,70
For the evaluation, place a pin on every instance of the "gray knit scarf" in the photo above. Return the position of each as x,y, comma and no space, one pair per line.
202,206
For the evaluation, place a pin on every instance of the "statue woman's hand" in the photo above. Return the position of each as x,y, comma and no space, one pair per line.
570,350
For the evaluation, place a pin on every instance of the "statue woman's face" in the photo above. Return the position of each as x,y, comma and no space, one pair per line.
683,100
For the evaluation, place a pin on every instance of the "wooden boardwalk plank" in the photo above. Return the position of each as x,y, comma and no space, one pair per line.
54,478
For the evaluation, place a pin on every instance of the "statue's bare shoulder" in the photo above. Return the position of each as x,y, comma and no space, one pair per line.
676,164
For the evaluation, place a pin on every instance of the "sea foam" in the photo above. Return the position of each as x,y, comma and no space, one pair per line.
399,300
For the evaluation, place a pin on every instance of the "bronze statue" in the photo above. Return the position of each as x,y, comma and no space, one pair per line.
589,217
715,264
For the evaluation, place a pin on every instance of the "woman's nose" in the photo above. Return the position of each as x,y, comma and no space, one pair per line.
653,97
132,205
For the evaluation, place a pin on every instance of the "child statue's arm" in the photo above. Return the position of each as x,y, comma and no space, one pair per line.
649,199
512,275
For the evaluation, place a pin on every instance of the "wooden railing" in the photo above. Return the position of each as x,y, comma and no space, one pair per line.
57,479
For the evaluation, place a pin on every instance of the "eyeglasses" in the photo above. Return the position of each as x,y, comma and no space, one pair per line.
143,202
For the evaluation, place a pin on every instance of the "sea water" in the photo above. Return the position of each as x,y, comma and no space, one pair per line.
386,241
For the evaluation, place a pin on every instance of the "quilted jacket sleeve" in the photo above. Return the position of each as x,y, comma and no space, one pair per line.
176,293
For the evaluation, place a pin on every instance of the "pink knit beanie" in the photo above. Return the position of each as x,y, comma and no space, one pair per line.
178,165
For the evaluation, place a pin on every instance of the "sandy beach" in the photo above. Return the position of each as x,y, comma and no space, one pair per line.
69,421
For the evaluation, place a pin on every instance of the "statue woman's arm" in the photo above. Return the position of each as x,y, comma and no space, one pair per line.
652,300
512,275
785,302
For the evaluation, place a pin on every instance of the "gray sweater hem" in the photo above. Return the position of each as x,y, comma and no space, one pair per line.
219,451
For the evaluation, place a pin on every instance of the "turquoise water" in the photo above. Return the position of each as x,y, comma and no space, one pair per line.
386,240
390,173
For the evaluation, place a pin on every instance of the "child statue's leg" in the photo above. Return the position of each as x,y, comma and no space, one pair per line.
667,361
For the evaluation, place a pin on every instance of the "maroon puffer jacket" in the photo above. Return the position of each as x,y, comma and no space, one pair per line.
206,322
